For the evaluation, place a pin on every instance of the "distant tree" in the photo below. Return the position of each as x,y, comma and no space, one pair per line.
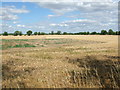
17,33
103,32
80,33
99,33
65,33
38,33
20,33
111,32
71,33
117,32
87,33
42,33
35,33
5,34
59,32
29,32
52,32
84,33
10,33
93,33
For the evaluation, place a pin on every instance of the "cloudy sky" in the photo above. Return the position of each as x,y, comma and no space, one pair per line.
63,15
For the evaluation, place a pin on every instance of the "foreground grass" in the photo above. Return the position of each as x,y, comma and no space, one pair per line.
61,63
17,43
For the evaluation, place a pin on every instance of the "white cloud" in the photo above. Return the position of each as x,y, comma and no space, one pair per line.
10,26
80,21
60,25
41,27
90,16
61,8
53,24
9,17
50,16
15,10
14,22
10,12
20,25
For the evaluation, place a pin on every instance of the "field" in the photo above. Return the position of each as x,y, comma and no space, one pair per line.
60,61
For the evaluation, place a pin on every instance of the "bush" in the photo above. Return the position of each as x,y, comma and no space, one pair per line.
35,33
20,33
38,33
16,33
110,32
103,32
59,33
5,34
93,33
29,32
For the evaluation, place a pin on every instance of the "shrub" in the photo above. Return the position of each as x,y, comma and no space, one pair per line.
5,34
35,33
29,32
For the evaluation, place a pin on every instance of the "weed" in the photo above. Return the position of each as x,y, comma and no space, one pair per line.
105,73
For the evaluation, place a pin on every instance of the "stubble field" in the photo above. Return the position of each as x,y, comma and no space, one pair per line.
60,61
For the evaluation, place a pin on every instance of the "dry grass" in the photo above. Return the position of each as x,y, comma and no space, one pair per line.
61,61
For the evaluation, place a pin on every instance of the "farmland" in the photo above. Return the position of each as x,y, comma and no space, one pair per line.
60,61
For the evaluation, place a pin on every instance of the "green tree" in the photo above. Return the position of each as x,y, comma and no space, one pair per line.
35,33
65,33
117,32
84,33
110,32
17,33
5,34
103,32
20,33
93,33
29,32
38,33
52,32
87,33
42,33
58,32
10,33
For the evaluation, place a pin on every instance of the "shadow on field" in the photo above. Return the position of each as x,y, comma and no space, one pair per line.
10,73
94,72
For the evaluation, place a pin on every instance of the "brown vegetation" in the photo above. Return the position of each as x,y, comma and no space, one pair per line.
60,61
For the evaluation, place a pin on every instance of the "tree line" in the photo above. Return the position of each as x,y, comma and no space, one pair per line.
30,32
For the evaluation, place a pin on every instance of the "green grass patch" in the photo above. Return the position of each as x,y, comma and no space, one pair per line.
21,43
60,42
21,46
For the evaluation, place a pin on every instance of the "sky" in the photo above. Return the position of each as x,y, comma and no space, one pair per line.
63,15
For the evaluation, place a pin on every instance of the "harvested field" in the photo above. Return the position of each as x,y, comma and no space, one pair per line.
60,61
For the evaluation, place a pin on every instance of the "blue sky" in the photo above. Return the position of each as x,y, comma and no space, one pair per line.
54,16
36,13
